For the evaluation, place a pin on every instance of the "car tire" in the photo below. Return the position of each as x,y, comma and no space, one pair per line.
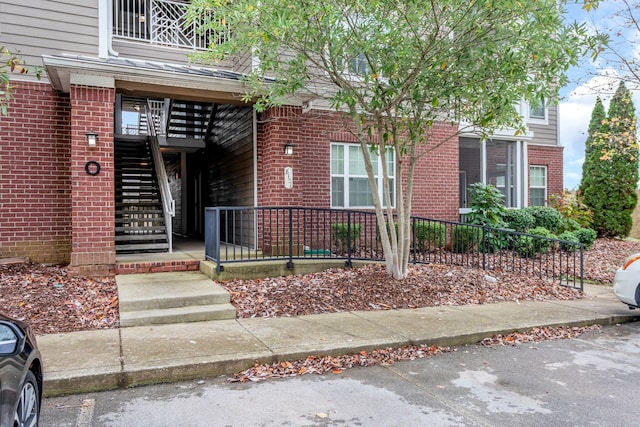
28,404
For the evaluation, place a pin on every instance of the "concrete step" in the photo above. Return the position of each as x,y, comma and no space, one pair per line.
198,313
177,297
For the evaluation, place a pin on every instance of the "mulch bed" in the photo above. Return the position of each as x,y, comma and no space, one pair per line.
52,301
370,288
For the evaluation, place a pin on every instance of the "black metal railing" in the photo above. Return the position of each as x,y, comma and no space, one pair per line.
241,234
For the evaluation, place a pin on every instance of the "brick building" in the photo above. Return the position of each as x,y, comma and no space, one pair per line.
77,147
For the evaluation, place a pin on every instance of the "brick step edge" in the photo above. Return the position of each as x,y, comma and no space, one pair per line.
157,267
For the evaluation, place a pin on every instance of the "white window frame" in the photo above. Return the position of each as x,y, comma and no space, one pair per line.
346,175
536,119
546,182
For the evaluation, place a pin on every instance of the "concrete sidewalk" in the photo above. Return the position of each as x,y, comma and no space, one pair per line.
110,358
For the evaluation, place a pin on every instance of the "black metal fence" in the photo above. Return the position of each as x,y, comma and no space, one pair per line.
241,234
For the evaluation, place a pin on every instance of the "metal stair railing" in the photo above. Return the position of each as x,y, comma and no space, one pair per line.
168,204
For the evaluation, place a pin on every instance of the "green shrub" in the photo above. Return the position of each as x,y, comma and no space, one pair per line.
430,235
518,219
546,217
340,233
465,238
569,237
487,205
571,206
569,224
586,236
529,245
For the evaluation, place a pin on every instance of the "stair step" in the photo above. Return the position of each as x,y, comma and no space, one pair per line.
153,291
120,212
143,247
200,313
154,219
162,298
140,237
138,197
141,229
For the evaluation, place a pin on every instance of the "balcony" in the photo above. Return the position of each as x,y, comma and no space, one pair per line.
162,23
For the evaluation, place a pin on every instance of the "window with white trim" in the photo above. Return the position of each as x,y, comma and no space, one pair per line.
349,183
538,114
537,185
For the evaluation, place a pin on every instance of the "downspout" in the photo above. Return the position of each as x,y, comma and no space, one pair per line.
105,15
254,119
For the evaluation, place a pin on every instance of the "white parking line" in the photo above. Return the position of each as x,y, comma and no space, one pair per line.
85,415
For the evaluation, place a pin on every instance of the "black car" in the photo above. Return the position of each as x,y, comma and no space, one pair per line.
20,374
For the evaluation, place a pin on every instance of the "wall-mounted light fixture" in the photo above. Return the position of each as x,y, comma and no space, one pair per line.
92,138
288,148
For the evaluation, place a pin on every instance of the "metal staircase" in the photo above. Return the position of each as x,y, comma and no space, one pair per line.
144,204
140,219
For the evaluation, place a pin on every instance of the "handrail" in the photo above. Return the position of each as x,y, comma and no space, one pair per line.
163,23
168,204
283,233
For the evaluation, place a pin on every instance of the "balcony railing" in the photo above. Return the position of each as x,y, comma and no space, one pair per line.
287,234
161,22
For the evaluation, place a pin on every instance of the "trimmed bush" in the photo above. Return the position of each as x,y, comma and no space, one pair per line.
518,219
569,237
569,224
430,235
586,236
465,238
529,245
546,217
340,234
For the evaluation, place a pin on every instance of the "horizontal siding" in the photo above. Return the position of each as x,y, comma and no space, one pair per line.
148,52
546,134
40,27
51,27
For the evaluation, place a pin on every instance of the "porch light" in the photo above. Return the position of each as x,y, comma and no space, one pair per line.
288,148
92,138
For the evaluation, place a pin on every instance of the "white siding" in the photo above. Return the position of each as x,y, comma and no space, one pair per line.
38,27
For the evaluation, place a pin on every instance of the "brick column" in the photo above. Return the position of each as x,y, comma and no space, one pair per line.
278,126
93,215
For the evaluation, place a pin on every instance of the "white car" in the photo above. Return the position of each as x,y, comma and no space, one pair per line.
626,284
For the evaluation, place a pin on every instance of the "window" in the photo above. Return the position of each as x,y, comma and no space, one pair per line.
537,185
537,113
349,182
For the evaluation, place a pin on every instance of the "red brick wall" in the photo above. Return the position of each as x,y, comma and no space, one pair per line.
93,211
551,157
436,175
277,127
35,193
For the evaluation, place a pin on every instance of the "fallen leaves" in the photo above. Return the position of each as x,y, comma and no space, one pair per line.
538,335
335,364
370,288
52,301
605,257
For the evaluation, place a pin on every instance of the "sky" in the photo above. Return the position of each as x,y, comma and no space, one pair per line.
589,80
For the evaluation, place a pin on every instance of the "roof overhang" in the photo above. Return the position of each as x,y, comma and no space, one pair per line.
145,78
